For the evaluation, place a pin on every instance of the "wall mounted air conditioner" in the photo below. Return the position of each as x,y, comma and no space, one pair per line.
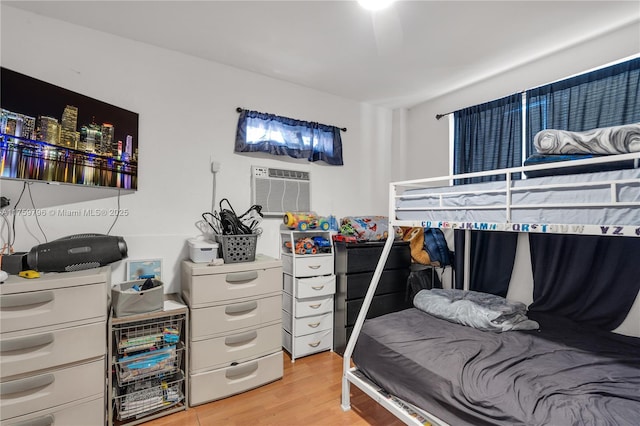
279,191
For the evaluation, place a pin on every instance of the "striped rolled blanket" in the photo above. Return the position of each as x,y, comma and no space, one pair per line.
604,140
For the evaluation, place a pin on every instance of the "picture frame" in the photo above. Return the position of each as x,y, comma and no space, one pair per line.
144,267
51,134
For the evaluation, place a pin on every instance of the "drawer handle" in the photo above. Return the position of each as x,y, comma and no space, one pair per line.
317,287
22,343
315,344
314,266
241,277
314,325
241,339
316,306
25,299
241,308
40,421
26,385
241,371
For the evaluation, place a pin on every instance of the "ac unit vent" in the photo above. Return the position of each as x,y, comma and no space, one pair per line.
279,190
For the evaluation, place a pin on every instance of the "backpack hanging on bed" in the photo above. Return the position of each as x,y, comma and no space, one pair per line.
436,246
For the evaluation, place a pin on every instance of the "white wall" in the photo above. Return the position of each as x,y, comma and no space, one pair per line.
187,118
428,139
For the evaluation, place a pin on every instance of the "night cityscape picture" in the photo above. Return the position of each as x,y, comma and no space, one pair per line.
51,134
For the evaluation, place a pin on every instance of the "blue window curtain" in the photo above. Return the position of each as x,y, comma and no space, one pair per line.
606,97
488,137
272,134
602,98
561,277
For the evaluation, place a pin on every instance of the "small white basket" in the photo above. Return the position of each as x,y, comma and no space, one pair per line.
202,251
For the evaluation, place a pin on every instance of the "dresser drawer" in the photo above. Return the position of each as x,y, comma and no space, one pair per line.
236,347
380,305
217,384
31,351
78,413
364,257
310,287
33,309
307,325
355,286
307,266
210,289
216,320
311,343
56,387
307,307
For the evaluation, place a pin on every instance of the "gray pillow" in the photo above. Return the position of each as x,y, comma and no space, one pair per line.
483,311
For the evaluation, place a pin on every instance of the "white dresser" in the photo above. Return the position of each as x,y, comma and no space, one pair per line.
309,284
53,347
235,326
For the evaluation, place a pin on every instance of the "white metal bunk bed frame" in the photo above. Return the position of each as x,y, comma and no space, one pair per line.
406,412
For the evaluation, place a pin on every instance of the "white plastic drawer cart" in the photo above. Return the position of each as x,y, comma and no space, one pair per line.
308,284
235,326
52,333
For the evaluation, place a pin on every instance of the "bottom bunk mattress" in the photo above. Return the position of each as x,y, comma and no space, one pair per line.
561,374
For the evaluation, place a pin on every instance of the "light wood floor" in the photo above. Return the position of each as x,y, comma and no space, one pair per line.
308,394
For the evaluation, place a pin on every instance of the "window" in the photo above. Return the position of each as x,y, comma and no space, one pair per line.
272,134
606,97
487,136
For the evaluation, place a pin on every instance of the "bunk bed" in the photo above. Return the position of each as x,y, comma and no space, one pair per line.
428,370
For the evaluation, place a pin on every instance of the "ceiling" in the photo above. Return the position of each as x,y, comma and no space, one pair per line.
409,53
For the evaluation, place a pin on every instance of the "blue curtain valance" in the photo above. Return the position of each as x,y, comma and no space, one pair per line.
276,135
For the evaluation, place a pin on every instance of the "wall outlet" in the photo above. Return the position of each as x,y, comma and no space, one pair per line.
215,167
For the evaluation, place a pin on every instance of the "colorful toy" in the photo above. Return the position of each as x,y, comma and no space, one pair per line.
302,246
321,242
345,238
309,245
303,221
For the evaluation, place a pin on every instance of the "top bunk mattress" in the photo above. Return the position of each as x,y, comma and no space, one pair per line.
603,198
562,374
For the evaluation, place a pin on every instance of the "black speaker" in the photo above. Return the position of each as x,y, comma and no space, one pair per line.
77,252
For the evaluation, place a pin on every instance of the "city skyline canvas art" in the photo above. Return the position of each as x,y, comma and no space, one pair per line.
51,134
